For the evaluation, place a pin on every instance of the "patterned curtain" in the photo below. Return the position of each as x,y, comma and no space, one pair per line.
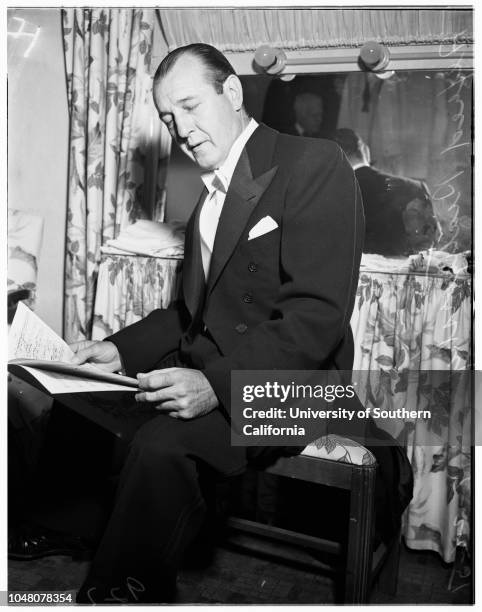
118,150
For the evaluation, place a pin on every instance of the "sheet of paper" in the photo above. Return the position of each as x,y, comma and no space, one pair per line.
30,338
56,382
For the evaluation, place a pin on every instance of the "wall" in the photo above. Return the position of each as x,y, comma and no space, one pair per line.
38,146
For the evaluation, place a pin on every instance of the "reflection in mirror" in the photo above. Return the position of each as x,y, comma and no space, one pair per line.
408,137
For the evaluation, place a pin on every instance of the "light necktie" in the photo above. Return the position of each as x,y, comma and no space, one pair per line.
208,221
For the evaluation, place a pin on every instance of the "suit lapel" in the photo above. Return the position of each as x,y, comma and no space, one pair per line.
193,272
248,184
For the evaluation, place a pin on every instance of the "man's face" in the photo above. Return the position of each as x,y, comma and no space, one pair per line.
309,112
204,123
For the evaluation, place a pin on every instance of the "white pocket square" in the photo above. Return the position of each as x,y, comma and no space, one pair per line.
264,225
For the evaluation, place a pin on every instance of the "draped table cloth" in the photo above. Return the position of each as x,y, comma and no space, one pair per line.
129,287
412,335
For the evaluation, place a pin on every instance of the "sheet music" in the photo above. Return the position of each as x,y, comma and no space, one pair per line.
30,338
56,382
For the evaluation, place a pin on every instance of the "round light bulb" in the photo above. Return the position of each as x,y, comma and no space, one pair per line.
374,55
265,56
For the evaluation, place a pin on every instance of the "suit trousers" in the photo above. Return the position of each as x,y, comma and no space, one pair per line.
158,507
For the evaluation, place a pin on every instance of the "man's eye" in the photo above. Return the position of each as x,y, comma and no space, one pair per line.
191,107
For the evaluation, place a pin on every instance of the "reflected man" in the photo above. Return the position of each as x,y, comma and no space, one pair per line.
399,215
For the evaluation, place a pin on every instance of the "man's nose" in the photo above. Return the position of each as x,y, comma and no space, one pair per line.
184,127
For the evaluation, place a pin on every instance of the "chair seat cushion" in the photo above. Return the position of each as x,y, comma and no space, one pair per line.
337,448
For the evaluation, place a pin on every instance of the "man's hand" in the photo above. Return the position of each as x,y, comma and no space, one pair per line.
181,392
103,354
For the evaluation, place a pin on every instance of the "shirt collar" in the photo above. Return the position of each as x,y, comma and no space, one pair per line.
226,169
299,129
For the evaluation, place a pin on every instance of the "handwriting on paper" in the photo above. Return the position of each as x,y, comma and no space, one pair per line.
30,338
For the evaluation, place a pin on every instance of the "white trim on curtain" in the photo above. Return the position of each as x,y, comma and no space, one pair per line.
235,30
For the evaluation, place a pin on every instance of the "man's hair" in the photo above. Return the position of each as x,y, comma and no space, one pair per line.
218,69
304,97
350,142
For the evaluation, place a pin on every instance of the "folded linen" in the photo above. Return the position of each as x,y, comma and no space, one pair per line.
429,261
149,238
167,253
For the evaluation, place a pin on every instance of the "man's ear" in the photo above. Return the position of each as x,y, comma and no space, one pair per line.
234,90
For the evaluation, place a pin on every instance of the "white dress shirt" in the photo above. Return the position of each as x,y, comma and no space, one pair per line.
217,183
299,129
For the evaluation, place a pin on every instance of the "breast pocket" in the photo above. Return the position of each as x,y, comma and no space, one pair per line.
265,242
260,257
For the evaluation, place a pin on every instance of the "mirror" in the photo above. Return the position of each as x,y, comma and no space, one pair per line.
409,138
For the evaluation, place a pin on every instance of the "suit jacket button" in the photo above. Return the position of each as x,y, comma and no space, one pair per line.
241,328
252,267
248,298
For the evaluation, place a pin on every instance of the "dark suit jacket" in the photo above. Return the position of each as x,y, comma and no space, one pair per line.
277,301
399,215
282,300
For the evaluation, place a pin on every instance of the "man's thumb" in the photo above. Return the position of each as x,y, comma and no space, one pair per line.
82,356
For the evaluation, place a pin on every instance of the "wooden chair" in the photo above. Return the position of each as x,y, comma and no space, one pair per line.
341,463
332,461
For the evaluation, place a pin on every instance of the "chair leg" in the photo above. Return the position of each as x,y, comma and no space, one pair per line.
360,536
388,579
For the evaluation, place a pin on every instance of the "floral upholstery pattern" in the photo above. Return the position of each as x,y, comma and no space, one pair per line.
338,448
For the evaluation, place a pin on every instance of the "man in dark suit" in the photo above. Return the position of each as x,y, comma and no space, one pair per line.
308,115
399,216
260,291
